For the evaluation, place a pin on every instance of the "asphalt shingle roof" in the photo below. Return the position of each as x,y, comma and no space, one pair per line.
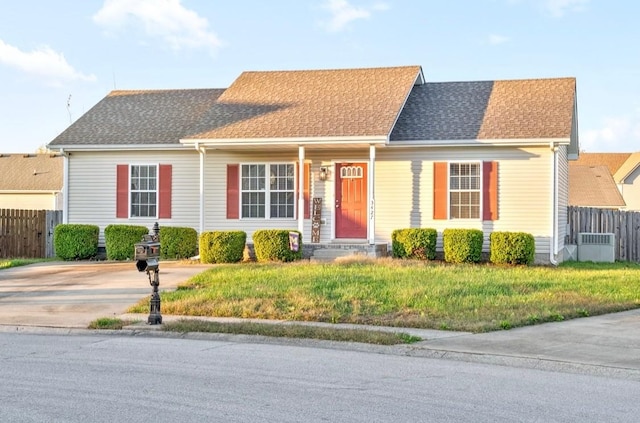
488,110
140,117
31,172
613,161
593,186
313,103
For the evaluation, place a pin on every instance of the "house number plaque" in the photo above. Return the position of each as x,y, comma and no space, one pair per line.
316,215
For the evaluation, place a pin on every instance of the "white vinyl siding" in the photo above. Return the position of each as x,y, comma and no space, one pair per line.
31,201
404,191
92,187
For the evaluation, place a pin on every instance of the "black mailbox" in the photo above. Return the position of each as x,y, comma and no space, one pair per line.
147,254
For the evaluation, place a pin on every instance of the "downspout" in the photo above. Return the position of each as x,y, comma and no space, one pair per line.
554,204
65,186
202,151
371,194
301,188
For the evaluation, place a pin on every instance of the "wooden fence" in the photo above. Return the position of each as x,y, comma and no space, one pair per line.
27,233
624,224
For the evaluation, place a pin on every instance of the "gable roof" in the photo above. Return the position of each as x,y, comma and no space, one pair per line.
31,172
593,186
488,110
627,168
313,103
613,161
150,117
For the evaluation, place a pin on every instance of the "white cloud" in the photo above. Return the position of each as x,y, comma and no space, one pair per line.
616,134
495,39
343,13
169,20
558,8
43,62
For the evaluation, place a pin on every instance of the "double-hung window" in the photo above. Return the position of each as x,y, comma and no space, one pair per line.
464,190
144,190
267,190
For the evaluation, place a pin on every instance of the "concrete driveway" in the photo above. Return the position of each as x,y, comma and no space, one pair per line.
71,294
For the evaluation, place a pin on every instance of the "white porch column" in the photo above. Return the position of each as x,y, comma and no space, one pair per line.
202,151
371,194
301,188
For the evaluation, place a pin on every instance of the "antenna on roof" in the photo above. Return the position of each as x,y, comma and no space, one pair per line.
69,108
114,79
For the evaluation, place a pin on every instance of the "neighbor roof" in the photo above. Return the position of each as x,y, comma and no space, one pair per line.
593,186
488,110
613,161
627,168
31,172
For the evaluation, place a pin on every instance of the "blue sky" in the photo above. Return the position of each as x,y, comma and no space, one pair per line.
59,58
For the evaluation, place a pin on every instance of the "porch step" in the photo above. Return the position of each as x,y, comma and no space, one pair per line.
330,254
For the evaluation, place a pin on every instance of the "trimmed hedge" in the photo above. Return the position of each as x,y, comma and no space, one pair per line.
462,245
415,243
178,242
222,246
273,245
76,241
512,248
119,240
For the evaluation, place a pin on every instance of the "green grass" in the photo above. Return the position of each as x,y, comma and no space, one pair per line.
110,323
7,263
292,331
400,293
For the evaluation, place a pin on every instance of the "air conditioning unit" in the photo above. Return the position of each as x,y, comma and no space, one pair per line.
596,247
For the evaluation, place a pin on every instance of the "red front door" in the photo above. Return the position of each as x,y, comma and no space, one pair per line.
351,200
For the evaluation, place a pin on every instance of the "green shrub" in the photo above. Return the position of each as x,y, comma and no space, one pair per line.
462,245
75,241
178,242
119,240
273,245
222,246
512,248
419,243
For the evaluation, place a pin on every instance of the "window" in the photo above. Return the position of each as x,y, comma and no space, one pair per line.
267,198
144,190
464,190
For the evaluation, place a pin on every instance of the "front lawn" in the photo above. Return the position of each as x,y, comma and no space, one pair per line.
417,294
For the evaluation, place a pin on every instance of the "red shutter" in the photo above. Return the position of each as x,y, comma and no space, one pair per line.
122,191
490,191
164,203
233,194
307,190
440,202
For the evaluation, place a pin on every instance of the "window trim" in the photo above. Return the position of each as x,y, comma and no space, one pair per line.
267,191
130,191
480,189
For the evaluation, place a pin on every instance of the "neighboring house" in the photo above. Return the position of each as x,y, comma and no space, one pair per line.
593,186
31,181
373,149
625,170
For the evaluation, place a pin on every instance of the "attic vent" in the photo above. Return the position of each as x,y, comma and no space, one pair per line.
596,247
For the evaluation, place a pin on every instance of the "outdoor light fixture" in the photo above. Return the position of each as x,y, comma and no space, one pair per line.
324,173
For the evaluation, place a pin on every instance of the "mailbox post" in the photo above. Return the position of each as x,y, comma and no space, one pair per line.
147,256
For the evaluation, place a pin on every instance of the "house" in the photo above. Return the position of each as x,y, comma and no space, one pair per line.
31,181
593,186
625,171
345,156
